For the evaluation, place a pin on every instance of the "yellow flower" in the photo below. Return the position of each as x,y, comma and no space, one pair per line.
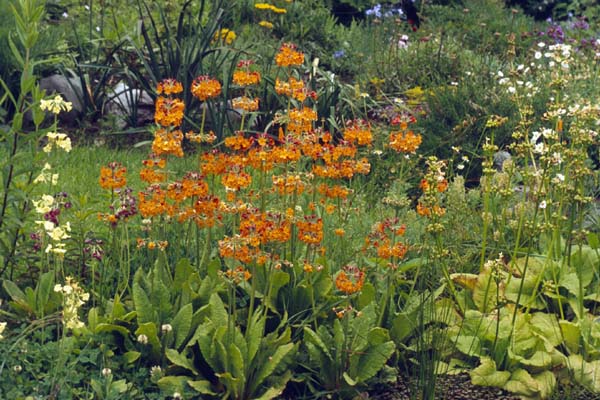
266,24
56,105
2,327
226,35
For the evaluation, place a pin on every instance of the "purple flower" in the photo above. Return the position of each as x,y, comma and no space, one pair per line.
339,54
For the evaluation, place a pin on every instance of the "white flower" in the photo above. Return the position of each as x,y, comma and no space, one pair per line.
460,167
543,204
512,90
166,328
537,55
106,372
143,339
2,327
560,177
155,370
541,44
65,15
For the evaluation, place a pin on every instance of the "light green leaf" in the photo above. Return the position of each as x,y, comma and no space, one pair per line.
366,296
172,384
585,373
468,345
143,306
236,362
378,336
276,387
132,356
312,337
571,334
202,386
349,380
486,374
218,313
42,292
522,383
547,326
111,328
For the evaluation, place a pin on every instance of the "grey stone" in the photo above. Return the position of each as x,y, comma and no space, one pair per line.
125,101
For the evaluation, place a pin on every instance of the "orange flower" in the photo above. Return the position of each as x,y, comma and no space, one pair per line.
350,280
168,112
358,131
300,120
292,88
169,86
167,142
205,87
238,142
405,142
288,56
113,176
238,274
236,180
245,103
246,77
310,231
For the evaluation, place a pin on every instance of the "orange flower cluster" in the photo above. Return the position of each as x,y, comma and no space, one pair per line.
433,184
288,56
383,237
206,211
239,248
113,176
310,230
205,87
350,280
405,142
263,228
288,184
152,244
238,275
236,179
201,137
169,86
300,120
238,142
440,185
245,77
333,192
245,103
153,202
168,111
358,132
425,211
293,88
151,171
167,142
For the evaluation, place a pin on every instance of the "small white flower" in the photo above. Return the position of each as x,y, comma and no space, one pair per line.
155,370
2,327
143,339
460,167
65,15
541,44
537,55
512,90
560,177
17,368
166,328
106,372
543,204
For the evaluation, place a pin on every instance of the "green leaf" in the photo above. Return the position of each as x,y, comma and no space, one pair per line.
593,241
276,387
585,373
469,345
378,335
254,334
486,374
172,384
366,296
547,326
349,380
151,331
143,306
523,383
182,323
111,328
183,271
312,337
132,356
202,386
180,360
571,335
268,368
42,292
16,294
373,360
218,313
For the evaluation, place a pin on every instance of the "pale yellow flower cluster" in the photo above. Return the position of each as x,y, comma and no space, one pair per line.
73,298
58,140
46,176
56,105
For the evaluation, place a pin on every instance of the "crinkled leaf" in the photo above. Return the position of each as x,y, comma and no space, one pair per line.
486,374
571,334
172,384
586,373
181,360
202,386
373,359
268,368
547,326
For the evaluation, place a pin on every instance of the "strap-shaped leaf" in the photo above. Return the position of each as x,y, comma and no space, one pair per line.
182,323
267,368
312,337
181,360
373,360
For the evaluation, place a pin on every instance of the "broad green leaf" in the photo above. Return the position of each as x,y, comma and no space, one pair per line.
14,292
236,362
254,334
231,383
571,335
547,326
268,368
585,373
182,323
118,387
93,318
468,345
349,380
593,240
403,326
181,360
373,360
378,335
183,271
486,374
202,386
522,383
218,313
466,281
